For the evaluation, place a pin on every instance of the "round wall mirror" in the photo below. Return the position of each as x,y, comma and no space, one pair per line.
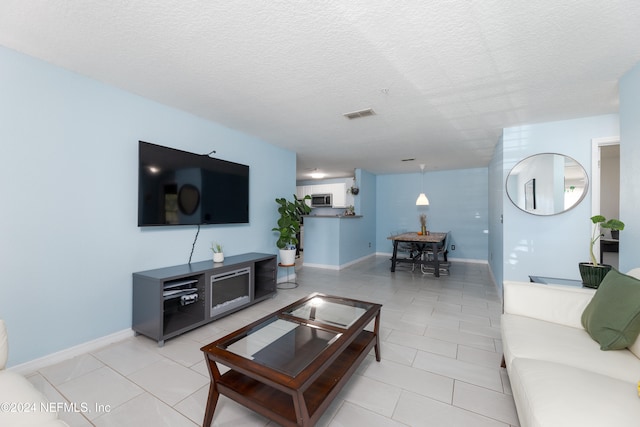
547,184
188,199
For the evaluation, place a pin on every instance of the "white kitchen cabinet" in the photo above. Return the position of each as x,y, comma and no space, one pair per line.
321,189
340,198
339,192
304,190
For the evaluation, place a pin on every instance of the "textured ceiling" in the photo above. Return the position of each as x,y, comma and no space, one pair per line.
444,77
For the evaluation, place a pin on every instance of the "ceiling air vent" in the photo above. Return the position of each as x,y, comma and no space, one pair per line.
359,114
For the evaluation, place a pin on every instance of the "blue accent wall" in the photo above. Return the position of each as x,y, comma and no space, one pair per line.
458,203
68,224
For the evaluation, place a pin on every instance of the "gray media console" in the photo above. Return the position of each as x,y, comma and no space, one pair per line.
172,300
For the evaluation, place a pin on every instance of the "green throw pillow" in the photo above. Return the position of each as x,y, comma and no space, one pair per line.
612,317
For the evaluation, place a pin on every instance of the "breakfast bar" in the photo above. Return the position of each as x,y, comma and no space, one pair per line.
335,241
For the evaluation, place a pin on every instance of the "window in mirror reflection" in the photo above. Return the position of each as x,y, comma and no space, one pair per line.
560,184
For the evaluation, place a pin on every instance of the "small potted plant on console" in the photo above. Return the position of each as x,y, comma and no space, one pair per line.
218,255
592,272
289,226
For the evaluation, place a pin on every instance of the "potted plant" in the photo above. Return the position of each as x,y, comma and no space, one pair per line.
354,187
615,231
591,272
423,224
289,226
218,255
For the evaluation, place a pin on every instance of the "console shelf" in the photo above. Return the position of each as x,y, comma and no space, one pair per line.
170,301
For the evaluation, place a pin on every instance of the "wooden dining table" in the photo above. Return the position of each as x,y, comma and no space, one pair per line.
421,240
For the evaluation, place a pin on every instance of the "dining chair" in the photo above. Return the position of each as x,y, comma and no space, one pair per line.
442,251
411,250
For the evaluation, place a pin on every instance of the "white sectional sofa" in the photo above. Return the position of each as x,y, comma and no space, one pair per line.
559,375
22,405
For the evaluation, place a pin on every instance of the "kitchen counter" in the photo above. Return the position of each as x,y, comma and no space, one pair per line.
330,242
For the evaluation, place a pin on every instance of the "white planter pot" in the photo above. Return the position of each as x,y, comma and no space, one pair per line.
287,256
218,257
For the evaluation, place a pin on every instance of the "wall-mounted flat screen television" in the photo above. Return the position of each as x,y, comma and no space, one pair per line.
180,188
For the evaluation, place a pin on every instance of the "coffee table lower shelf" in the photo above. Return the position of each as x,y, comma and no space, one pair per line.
280,406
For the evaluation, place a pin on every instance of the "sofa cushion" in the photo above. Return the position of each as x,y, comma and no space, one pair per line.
553,303
525,337
554,395
612,318
16,389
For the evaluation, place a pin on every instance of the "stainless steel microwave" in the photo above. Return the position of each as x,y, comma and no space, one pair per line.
321,201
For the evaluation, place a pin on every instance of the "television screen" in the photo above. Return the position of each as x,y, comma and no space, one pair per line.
180,188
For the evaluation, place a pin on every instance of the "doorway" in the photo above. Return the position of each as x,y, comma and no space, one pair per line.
605,196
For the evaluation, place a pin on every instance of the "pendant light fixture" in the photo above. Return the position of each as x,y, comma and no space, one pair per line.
422,198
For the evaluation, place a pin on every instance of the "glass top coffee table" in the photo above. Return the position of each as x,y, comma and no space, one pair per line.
289,365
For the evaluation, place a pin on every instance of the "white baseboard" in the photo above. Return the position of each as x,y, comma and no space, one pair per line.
325,266
68,353
337,267
470,261
355,261
495,284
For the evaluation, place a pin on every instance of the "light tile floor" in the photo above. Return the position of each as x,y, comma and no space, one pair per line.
440,365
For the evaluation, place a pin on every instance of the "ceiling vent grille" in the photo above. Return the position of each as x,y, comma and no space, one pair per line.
361,113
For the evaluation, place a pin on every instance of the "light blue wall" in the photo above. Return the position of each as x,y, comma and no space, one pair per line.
496,233
458,203
361,241
629,170
549,245
68,172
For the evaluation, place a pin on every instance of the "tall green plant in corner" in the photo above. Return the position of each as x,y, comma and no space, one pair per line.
600,222
289,221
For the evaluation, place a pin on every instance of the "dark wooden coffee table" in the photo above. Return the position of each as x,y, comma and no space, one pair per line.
289,365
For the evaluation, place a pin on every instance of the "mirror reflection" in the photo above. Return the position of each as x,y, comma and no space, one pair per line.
547,184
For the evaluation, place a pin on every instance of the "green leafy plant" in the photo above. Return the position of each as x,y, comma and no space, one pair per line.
600,222
216,248
289,221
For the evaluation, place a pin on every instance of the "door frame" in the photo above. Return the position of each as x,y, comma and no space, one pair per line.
596,145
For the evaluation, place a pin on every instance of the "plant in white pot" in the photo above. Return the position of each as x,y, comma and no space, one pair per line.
218,255
592,272
289,226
